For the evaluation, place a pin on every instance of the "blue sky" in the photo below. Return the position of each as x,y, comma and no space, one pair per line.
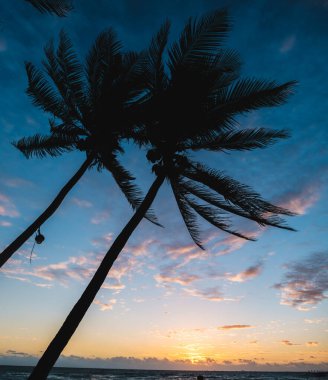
167,304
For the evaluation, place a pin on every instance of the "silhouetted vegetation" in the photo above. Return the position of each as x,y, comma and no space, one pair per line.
187,104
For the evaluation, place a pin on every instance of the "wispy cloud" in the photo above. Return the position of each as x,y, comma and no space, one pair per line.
16,182
301,200
104,306
235,327
209,294
81,202
288,44
100,217
181,278
7,208
288,343
4,223
305,284
248,274
312,343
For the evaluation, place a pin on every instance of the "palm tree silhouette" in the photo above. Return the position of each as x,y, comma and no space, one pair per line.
57,7
89,114
190,105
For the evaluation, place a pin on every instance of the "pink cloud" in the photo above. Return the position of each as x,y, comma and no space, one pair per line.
82,203
288,44
100,217
235,327
105,305
181,278
248,274
4,223
209,294
7,208
300,201
16,182
288,343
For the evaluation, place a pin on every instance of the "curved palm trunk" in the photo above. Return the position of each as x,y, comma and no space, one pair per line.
76,315
21,239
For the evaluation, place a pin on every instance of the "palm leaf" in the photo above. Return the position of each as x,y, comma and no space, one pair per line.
57,7
67,74
101,57
42,93
42,146
211,215
216,200
199,39
233,191
246,139
157,78
188,216
251,94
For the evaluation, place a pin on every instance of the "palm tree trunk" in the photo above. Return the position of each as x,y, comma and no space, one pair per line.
21,239
76,315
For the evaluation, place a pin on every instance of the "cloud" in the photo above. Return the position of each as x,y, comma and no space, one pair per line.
287,44
305,284
4,223
235,327
288,343
12,357
17,182
251,272
300,201
7,208
100,217
181,278
105,305
209,294
312,343
313,321
82,203
3,45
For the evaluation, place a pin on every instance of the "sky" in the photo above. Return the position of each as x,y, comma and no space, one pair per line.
166,304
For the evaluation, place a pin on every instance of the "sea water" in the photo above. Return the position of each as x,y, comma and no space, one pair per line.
22,373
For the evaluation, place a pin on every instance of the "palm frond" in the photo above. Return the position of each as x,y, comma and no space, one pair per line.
251,94
43,94
99,60
42,146
199,38
125,182
188,216
57,7
66,72
246,139
216,200
72,71
233,191
157,78
210,214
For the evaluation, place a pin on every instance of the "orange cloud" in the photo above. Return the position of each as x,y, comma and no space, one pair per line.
235,327
248,274
312,344
288,343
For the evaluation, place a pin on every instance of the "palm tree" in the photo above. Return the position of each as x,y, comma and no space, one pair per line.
57,7
89,114
190,105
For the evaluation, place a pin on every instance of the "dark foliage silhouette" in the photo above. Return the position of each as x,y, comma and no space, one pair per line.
58,7
189,105
89,113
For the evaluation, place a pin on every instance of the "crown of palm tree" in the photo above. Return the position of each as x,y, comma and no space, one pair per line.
89,105
191,104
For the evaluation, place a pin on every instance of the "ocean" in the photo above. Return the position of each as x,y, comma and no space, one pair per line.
21,373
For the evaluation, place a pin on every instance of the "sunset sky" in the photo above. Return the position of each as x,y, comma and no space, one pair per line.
166,304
